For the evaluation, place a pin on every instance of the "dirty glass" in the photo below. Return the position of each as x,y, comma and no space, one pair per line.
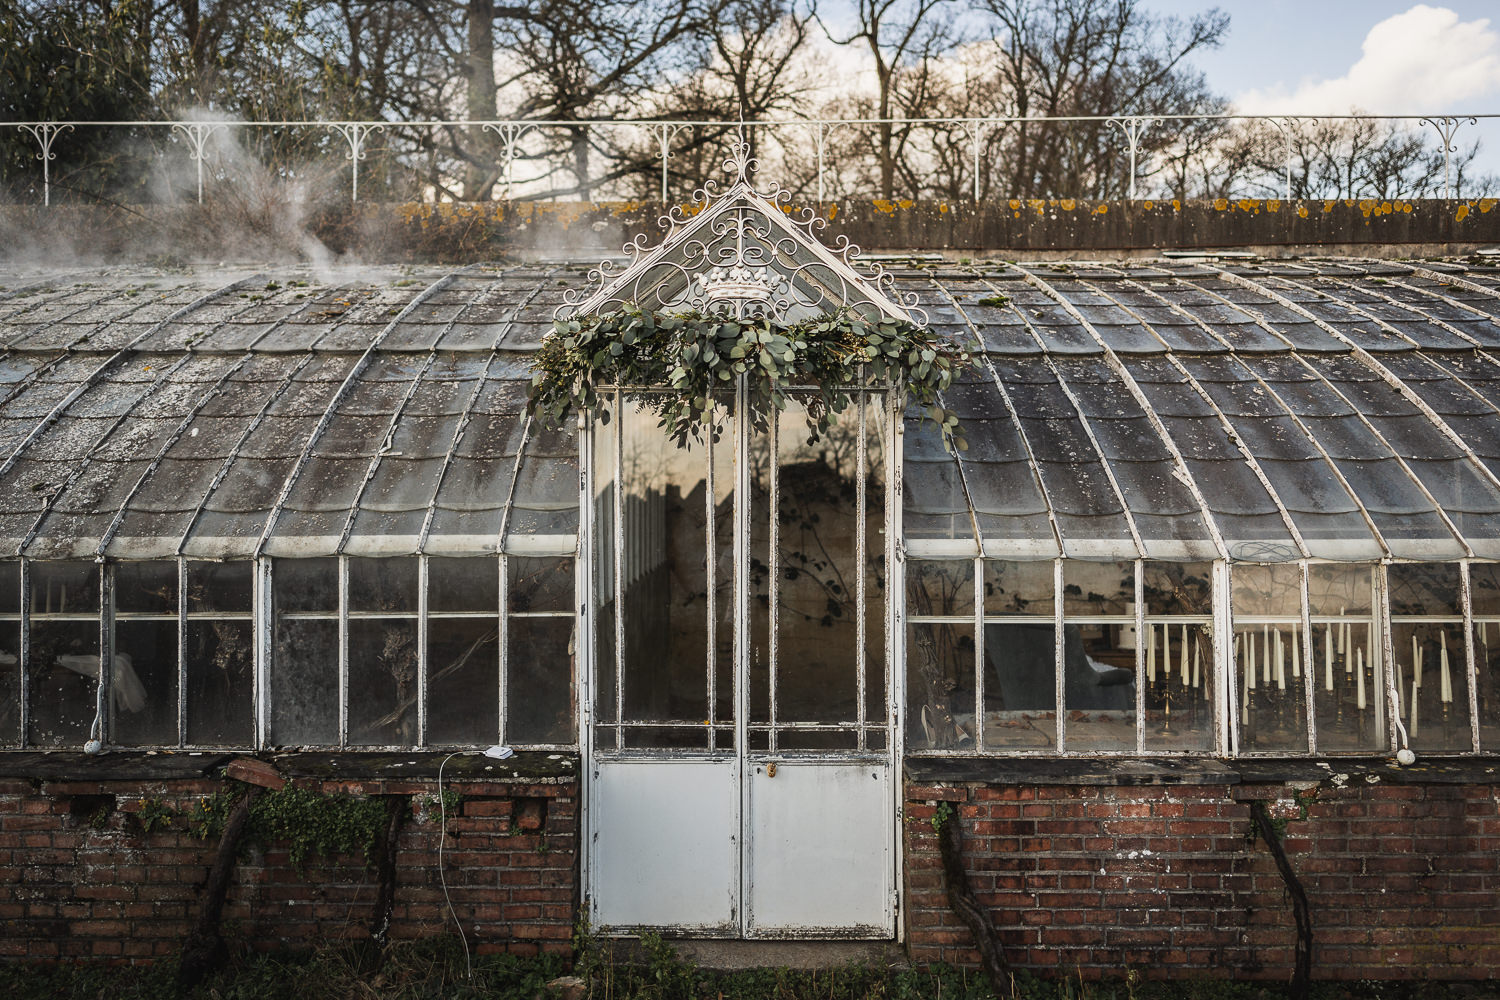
1267,663
64,658
1351,711
10,653
876,429
382,656
305,656
539,679
1431,661
145,645
1484,594
463,651
663,571
816,525
1179,672
219,654
940,685
940,587
605,597
1020,656
1099,655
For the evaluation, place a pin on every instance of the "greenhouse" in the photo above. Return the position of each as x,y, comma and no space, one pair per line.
1204,507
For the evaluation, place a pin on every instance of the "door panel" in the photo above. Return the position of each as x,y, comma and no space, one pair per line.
741,606
664,842
818,850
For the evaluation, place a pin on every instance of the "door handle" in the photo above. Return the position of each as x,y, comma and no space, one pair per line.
771,770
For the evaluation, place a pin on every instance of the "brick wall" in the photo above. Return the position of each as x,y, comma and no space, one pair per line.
1403,879
79,877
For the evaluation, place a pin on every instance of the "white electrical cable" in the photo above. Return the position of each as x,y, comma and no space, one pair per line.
442,836
496,753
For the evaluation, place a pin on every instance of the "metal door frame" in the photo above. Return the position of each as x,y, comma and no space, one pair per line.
894,672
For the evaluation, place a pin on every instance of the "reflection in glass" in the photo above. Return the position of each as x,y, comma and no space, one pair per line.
663,570
64,667
940,587
1268,661
540,584
817,570
539,679
940,685
220,665
148,649
305,681
146,587
463,680
219,587
383,681
10,653
1431,661
1350,693
875,574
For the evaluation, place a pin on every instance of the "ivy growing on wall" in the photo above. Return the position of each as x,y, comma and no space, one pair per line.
696,359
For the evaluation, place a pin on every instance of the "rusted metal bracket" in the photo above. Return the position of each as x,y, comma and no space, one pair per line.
1301,912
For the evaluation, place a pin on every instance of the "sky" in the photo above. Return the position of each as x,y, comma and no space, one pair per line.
1321,56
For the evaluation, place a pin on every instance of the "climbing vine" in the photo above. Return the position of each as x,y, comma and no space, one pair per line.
306,821
697,358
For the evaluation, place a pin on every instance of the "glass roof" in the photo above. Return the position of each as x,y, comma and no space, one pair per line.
1178,410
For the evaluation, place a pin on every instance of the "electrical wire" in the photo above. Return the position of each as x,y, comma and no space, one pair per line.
442,837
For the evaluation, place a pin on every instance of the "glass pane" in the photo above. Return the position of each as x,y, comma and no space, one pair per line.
64,668
1178,588
1099,695
1487,664
540,584
226,587
1020,686
1432,676
1273,709
1018,588
383,682
306,584
1092,589
940,686
795,739
10,653
220,662
875,575
1350,693
146,587
1339,590
463,680
463,585
817,651
1179,697
723,611
64,588
388,585
305,681
940,587
663,569
539,678
758,579
1424,589
1274,589
146,681
1484,589
10,682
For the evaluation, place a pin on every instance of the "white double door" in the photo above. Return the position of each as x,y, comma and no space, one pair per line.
739,731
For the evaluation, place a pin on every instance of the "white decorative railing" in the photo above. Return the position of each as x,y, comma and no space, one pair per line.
1142,141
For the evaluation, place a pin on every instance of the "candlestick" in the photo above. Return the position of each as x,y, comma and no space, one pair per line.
1415,687
1184,663
1265,654
1150,654
1445,677
1280,663
1359,688
1328,658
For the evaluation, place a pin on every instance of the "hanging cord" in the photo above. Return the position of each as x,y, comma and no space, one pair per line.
495,753
442,837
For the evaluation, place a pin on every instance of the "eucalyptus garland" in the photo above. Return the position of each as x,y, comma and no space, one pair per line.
696,358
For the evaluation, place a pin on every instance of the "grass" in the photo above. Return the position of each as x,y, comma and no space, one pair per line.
435,968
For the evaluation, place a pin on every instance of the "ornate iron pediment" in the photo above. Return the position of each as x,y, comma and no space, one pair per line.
743,252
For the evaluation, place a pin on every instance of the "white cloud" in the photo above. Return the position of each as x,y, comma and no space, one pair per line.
1424,60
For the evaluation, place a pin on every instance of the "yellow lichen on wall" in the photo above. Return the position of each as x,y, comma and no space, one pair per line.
1100,209
1220,204
1301,211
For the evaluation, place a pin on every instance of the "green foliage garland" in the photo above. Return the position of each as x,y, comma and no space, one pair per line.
698,357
